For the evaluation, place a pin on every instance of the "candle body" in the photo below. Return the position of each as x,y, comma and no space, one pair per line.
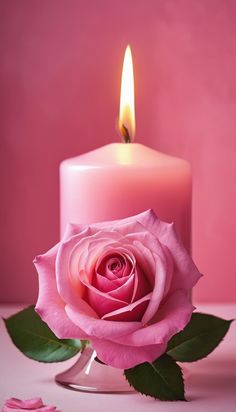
120,180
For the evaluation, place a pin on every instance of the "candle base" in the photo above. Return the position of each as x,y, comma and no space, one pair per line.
88,375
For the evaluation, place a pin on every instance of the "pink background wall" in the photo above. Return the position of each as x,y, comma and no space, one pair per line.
60,77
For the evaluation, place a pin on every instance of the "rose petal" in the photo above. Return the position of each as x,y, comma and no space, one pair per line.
187,274
124,356
122,293
54,313
142,286
101,328
72,229
146,261
170,319
68,288
144,218
106,285
103,303
163,274
96,246
33,405
42,409
25,404
131,312
103,284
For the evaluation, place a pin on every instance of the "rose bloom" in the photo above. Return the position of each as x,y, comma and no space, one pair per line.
124,285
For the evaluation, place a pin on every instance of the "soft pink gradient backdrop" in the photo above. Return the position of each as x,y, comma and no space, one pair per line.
60,78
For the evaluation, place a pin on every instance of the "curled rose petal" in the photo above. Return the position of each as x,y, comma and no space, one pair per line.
33,405
186,273
54,314
98,327
115,265
124,356
104,303
24,404
133,311
106,285
121,292
172,317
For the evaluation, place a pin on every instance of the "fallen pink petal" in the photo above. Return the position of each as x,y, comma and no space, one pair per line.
24,404
33,405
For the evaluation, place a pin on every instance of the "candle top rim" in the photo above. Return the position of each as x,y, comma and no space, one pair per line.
124,154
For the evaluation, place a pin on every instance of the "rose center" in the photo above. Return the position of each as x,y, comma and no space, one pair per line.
115,264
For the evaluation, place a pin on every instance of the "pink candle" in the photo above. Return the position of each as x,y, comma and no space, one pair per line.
122,179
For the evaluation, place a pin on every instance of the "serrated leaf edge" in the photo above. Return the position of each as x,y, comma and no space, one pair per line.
156,397
193,337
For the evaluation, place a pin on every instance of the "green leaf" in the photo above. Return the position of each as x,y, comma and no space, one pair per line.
161,379
199,338
34,338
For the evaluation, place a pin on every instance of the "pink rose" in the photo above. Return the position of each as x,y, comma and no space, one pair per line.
123,285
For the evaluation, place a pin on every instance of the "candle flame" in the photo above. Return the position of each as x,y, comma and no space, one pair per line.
127,111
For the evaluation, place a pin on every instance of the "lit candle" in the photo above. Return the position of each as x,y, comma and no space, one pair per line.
122,179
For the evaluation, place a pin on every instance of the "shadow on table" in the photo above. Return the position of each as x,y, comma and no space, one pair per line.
216,379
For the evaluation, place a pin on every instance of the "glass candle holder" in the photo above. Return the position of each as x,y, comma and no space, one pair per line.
90,375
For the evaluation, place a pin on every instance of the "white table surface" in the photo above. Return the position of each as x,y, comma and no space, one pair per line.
210,386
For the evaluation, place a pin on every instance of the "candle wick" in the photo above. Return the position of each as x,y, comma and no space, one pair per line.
125,134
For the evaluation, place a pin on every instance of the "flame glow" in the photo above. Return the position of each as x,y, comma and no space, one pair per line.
127,111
